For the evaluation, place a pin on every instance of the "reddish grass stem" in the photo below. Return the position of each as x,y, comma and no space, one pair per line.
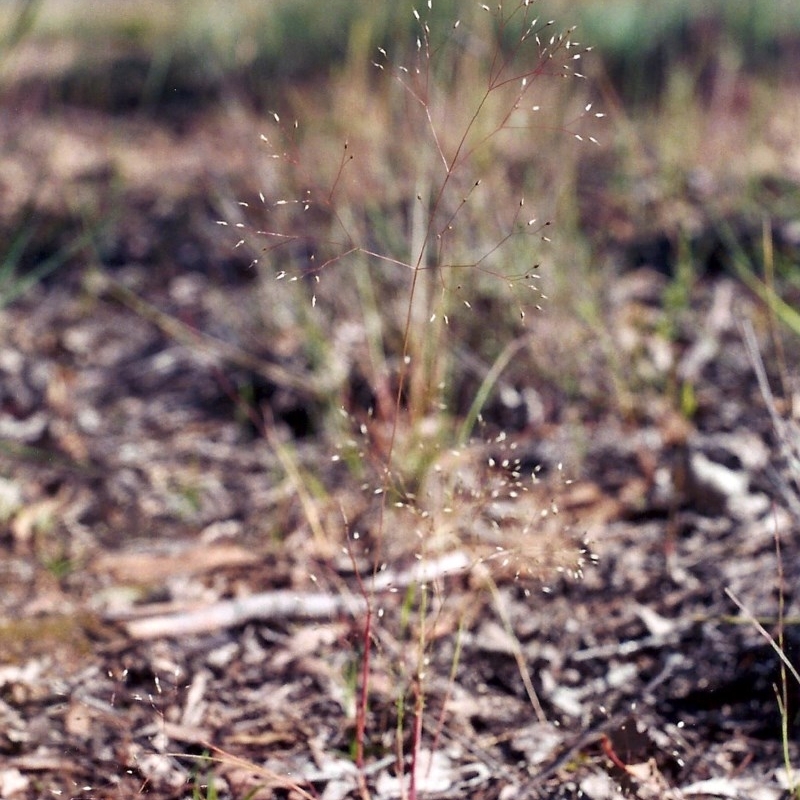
362,703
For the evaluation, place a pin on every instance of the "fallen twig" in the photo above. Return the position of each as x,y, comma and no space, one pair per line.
283,604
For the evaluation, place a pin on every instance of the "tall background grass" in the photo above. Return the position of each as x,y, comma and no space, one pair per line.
189,42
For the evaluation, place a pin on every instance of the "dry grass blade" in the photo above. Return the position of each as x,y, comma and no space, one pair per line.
765,633
787,432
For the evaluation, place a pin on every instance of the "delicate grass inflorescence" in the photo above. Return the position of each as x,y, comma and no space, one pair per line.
425,227
392,218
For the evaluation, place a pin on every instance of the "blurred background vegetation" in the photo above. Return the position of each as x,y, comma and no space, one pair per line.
194,48
697,152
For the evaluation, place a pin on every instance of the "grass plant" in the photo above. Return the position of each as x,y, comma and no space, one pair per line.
399,207
787,671
787,434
